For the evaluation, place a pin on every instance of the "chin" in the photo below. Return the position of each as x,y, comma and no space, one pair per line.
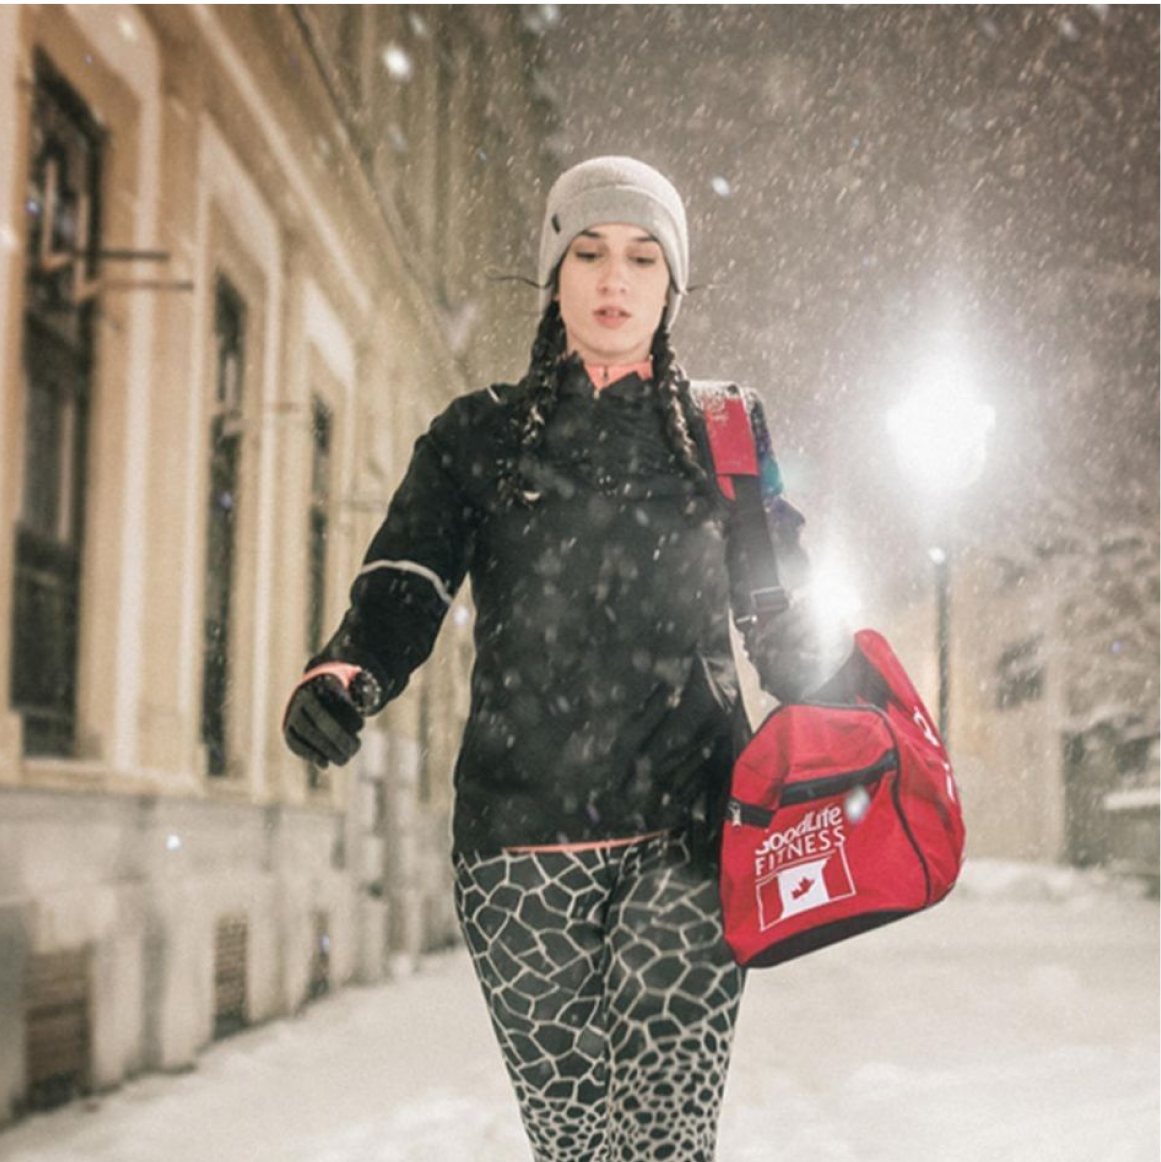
620,355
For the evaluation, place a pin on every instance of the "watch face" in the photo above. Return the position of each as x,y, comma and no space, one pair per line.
365,693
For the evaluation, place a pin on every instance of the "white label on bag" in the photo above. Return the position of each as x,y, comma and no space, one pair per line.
816,833
800,887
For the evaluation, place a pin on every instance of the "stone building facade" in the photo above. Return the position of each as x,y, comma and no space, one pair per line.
1053,716
242,265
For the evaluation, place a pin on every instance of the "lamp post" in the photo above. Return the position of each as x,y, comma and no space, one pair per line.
943,635
940,435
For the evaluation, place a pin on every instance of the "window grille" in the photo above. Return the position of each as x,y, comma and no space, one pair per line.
1020,674
320,960
58,354
57,1028
321,430
226,431
320,501
230,941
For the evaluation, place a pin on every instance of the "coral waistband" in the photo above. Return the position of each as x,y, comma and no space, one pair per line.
595,845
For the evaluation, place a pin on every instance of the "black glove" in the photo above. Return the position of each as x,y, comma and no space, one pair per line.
790,651
325,713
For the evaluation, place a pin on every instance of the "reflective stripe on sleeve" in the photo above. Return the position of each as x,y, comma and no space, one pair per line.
411,567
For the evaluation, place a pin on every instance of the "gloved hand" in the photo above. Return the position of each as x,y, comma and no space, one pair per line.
794,650
326,711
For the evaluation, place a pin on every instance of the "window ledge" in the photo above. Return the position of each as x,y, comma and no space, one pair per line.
1133,799
94,775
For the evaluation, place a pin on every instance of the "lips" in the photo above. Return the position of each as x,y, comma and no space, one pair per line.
611,316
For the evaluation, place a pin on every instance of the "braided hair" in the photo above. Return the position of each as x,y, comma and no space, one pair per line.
671,395
539,394
537,402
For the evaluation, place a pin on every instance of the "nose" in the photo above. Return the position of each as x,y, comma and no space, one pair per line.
614,274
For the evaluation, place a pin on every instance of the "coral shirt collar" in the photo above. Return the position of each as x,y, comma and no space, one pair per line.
602,374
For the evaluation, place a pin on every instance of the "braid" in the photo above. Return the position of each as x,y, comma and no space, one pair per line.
668,380
537,403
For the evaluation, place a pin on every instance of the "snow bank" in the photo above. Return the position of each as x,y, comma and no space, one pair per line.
998,879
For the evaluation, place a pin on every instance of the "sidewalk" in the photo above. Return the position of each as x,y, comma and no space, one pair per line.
1017,1022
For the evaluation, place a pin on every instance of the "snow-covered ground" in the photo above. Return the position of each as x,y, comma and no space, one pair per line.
1017,1022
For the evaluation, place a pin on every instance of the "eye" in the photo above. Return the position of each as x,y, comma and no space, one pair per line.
585,255
644,260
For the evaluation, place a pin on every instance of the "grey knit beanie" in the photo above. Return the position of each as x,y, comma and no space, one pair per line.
615,189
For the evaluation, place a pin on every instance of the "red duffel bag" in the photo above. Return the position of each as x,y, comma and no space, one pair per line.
843,815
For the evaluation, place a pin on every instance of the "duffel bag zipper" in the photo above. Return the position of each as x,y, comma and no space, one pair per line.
826,785
804,792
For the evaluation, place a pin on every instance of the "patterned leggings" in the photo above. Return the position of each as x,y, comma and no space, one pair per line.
612,993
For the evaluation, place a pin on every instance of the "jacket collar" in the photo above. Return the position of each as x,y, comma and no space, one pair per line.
580,378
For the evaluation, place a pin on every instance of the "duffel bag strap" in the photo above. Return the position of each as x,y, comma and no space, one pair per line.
734,452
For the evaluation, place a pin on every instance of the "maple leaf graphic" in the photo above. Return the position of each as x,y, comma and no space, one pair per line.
804,885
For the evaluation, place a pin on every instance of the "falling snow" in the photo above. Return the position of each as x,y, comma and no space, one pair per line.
397,63
901,183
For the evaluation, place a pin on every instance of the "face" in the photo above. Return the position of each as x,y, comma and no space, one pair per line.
612,289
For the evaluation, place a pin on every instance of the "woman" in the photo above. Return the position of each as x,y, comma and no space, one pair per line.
605,708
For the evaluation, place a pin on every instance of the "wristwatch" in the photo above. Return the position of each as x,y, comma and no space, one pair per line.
366,693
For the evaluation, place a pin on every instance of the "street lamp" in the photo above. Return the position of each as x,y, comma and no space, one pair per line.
943,634
940,434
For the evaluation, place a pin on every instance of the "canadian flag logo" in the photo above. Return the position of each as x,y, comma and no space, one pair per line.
800,887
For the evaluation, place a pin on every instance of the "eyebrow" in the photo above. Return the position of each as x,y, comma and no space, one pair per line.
599,235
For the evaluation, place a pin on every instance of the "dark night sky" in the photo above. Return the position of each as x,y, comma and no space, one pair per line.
865,182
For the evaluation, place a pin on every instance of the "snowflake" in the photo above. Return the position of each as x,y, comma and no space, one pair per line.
397,62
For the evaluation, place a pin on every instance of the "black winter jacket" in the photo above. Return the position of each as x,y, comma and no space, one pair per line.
604,699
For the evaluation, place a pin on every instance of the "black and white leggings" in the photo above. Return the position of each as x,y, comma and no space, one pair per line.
612,992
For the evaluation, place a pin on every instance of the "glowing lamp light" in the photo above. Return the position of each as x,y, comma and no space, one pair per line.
941,433
836,599
833,601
